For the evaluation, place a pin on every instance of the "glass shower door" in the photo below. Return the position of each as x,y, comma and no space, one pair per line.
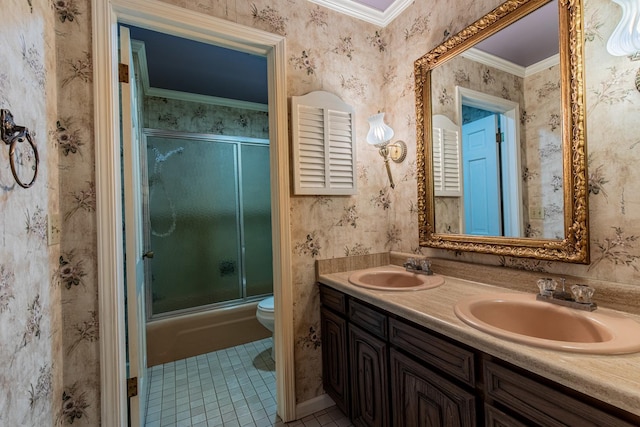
194,223
256,219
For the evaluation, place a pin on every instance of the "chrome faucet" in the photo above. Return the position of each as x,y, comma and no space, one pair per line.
418,266
579,297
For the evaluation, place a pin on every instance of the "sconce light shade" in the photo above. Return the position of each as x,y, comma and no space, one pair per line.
379,132
625,39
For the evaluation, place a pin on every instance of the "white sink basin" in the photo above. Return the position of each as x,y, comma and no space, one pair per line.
390,278
521,318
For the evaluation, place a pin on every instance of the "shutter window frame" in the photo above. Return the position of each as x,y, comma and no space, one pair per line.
324,151
447,158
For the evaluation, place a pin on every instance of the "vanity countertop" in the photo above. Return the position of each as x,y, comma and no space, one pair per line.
614,379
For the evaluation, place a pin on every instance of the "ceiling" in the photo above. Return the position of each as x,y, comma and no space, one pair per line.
182,65
530,40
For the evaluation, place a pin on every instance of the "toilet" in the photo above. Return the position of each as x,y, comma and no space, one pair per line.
264,314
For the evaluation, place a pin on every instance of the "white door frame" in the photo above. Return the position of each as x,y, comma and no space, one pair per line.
512,187
155,15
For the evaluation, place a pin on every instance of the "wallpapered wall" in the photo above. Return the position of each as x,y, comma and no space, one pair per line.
542,174
30,308
369,67
198,117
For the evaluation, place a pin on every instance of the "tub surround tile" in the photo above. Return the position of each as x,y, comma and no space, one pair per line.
614,379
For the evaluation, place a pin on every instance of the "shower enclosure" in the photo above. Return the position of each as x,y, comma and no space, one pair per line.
208,211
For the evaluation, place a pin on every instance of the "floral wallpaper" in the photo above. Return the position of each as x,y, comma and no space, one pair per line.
48,294
31,377
198,117
542,183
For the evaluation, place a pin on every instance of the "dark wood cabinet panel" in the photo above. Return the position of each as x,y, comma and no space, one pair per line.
496,418
335,300
368,318
369,386
544,405
422,398
335,361
449,358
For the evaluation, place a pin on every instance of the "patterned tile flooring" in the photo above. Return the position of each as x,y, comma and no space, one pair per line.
230,387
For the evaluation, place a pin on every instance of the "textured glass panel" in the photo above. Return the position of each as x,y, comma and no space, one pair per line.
256,203
194,219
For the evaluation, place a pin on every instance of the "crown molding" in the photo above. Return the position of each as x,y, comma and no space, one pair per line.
542,65
508,66
366,13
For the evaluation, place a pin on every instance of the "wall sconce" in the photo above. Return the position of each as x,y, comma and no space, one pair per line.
379,136
625,39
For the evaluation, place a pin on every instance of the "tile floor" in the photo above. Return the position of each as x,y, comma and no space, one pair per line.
231,387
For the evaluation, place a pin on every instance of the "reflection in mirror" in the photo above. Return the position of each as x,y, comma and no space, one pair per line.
504,94
500,114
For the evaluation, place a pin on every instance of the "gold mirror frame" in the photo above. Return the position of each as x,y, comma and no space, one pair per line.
575,245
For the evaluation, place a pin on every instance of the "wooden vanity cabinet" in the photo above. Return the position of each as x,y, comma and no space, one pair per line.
383,370
335,366
386,386
423,398
369,379
369,356
335,360
432,380
536,401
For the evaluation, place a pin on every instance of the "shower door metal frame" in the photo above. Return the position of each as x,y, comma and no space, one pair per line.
237,142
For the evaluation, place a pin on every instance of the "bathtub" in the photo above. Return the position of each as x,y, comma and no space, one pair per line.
189,335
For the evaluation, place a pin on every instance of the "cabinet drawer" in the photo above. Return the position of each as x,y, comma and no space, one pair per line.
335,300
543,404
368,319
441,354
496,418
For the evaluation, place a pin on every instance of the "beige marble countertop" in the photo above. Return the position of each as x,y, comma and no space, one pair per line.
614,379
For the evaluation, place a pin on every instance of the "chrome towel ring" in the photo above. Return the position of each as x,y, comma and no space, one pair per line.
12,135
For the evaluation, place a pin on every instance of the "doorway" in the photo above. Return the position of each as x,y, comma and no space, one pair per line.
502,114
174,20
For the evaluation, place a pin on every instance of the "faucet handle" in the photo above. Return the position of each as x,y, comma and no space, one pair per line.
582,293
546,286
425,265
411,263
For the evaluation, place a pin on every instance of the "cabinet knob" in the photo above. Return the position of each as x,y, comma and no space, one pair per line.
148,254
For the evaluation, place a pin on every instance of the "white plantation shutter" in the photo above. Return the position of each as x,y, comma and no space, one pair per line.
446,157
324,152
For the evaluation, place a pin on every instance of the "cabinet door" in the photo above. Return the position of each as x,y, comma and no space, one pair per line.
422,398
335,367
369,384
496,418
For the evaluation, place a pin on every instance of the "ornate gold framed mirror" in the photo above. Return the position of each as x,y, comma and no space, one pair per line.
501,135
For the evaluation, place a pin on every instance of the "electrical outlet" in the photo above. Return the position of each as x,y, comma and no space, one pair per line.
536,212
53,229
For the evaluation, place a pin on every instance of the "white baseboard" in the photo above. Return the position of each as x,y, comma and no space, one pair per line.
311,406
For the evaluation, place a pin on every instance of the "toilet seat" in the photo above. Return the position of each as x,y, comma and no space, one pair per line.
266,305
